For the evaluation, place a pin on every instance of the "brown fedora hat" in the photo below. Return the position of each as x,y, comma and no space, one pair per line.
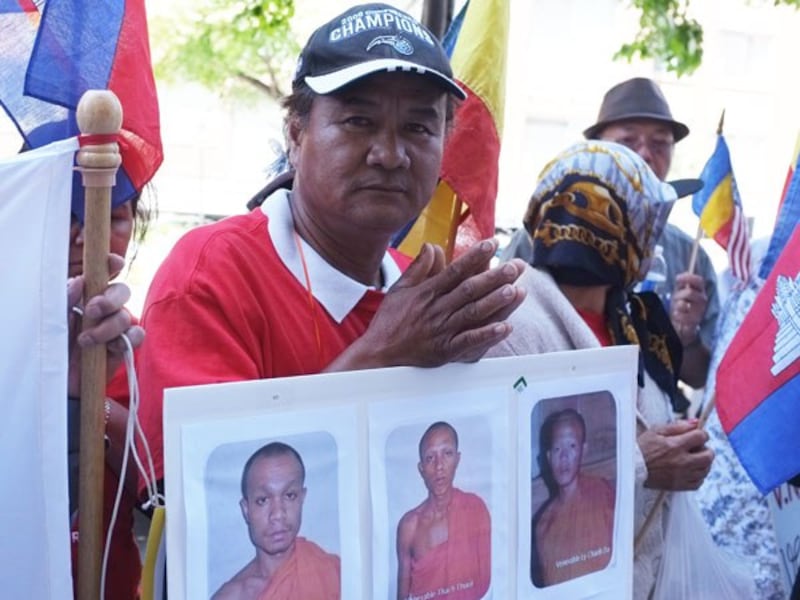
637,98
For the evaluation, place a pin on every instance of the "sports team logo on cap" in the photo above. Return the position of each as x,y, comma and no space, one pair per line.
369,39
399,43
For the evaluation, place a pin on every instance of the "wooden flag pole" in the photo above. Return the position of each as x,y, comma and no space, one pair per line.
452,235
99,114
693,258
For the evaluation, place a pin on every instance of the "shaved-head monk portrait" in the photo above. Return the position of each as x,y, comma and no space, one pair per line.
572,533
286,566
444,544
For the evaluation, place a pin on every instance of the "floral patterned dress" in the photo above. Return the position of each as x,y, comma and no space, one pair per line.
737,514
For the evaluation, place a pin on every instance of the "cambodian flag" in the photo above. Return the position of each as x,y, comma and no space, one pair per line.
464,200
720,210
52,52
758,380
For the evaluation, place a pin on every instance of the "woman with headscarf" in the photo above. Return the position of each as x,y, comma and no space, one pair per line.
594,219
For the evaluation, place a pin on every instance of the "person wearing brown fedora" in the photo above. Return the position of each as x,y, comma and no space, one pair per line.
636,114
637,98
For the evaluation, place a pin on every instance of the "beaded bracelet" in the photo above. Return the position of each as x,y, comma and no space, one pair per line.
107,417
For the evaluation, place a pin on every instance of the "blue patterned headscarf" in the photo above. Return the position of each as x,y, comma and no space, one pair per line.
595,216
602,201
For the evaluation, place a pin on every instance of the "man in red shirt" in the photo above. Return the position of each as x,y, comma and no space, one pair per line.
305,282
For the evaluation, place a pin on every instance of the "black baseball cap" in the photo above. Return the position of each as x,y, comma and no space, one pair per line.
368,39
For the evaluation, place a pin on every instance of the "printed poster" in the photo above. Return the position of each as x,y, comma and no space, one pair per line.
405,483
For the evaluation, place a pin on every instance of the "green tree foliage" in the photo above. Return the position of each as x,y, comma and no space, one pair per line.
668,35
244,45
234,46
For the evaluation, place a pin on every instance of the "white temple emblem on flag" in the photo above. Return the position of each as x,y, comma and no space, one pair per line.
786,309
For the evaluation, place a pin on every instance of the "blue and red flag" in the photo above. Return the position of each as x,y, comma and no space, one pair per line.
720,210
758,379
464,200
790,172
788,215
52,52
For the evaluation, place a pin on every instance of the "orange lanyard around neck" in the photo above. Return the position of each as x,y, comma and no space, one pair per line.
312,303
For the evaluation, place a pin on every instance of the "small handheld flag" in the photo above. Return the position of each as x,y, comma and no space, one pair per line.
720,209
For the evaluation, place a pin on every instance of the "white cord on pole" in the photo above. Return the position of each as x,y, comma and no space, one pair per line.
133,427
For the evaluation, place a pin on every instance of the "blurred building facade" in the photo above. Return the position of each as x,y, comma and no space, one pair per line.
218,150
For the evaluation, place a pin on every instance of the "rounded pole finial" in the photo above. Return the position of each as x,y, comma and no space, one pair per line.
99,112
99,115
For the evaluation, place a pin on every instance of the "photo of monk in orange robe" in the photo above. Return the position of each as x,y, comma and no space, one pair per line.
444,544
572,533
286,566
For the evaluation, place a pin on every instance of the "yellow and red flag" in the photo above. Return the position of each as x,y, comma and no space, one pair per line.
461,211
788,215
790,172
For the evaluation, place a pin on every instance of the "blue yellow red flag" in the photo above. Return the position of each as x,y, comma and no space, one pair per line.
50,59
462,208
720,209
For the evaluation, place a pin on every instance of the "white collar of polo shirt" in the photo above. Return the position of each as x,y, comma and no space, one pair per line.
337,292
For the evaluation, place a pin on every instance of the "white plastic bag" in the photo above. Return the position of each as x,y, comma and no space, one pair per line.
693,566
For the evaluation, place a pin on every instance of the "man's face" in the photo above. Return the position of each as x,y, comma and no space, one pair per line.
367,158
439,461
273,508
566,452
650,139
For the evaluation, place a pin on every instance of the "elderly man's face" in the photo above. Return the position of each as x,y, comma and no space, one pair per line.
367,158
650,139
439,461
273,508
566,452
